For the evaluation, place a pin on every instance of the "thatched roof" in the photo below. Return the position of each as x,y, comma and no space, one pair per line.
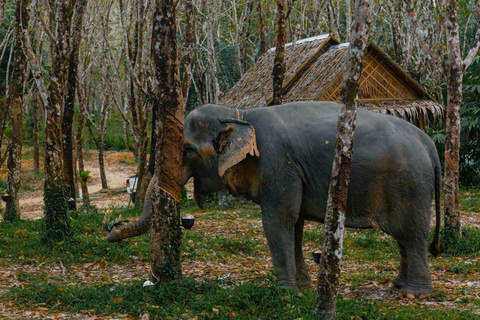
314,71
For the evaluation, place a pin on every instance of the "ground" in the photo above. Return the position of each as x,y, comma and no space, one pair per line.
118,166
229,247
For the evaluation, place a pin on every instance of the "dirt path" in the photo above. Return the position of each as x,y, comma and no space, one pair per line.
118,166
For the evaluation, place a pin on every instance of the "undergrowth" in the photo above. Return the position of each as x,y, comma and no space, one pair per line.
223,236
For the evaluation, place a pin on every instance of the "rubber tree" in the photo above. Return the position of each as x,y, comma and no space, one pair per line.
165,233
68,142
56,190
15,102
329,271
455,69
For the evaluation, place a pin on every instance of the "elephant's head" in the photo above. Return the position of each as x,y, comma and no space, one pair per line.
215,140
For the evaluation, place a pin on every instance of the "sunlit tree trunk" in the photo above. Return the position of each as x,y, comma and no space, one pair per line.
165,234
279,60
329,271
15,102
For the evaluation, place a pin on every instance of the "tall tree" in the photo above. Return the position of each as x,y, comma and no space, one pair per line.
329,271
279,60
15,102
455,69
69,109
56,190
165,233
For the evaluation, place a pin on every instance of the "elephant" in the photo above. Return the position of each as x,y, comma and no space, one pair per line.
281,157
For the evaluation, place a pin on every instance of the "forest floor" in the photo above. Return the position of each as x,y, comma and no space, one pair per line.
227,257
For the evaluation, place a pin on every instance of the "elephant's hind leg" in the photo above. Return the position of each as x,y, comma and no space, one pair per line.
418,279
301,276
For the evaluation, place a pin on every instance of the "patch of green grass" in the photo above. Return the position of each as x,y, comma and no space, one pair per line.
188,298
470,199
20,241
468,245
196,245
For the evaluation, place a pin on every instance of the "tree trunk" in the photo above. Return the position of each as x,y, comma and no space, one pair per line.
15,102
165,234
261,29
2,9
452,125
278,72
153,143
329,270
101,139
189,43
245,36
36,135
81,168
69,109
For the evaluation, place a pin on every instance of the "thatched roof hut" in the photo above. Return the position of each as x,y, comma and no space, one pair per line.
314,71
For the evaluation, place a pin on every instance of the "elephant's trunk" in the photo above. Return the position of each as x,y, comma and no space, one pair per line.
140,226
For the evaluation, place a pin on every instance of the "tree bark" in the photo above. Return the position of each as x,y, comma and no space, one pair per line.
36,133
69,108
15,102
455,69
80,123
165,234
329,271
102,121
261,29
278,72
189,43
452,125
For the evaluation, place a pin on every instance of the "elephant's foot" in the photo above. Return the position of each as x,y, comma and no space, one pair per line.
415,291
304,281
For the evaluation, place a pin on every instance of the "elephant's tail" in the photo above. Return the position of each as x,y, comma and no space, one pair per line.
435,247
140,226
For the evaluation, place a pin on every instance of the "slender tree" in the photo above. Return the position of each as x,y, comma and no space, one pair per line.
15,102
455,69
69,109
329,271
165,233
279,60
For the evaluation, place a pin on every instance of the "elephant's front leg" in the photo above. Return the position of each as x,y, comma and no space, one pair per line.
279,217
280,238
302,276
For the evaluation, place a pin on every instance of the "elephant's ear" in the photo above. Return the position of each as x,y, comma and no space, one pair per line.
234,143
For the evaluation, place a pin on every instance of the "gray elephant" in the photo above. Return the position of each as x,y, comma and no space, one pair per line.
281,158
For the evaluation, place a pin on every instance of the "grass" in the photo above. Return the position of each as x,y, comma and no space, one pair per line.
470,199
225,272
